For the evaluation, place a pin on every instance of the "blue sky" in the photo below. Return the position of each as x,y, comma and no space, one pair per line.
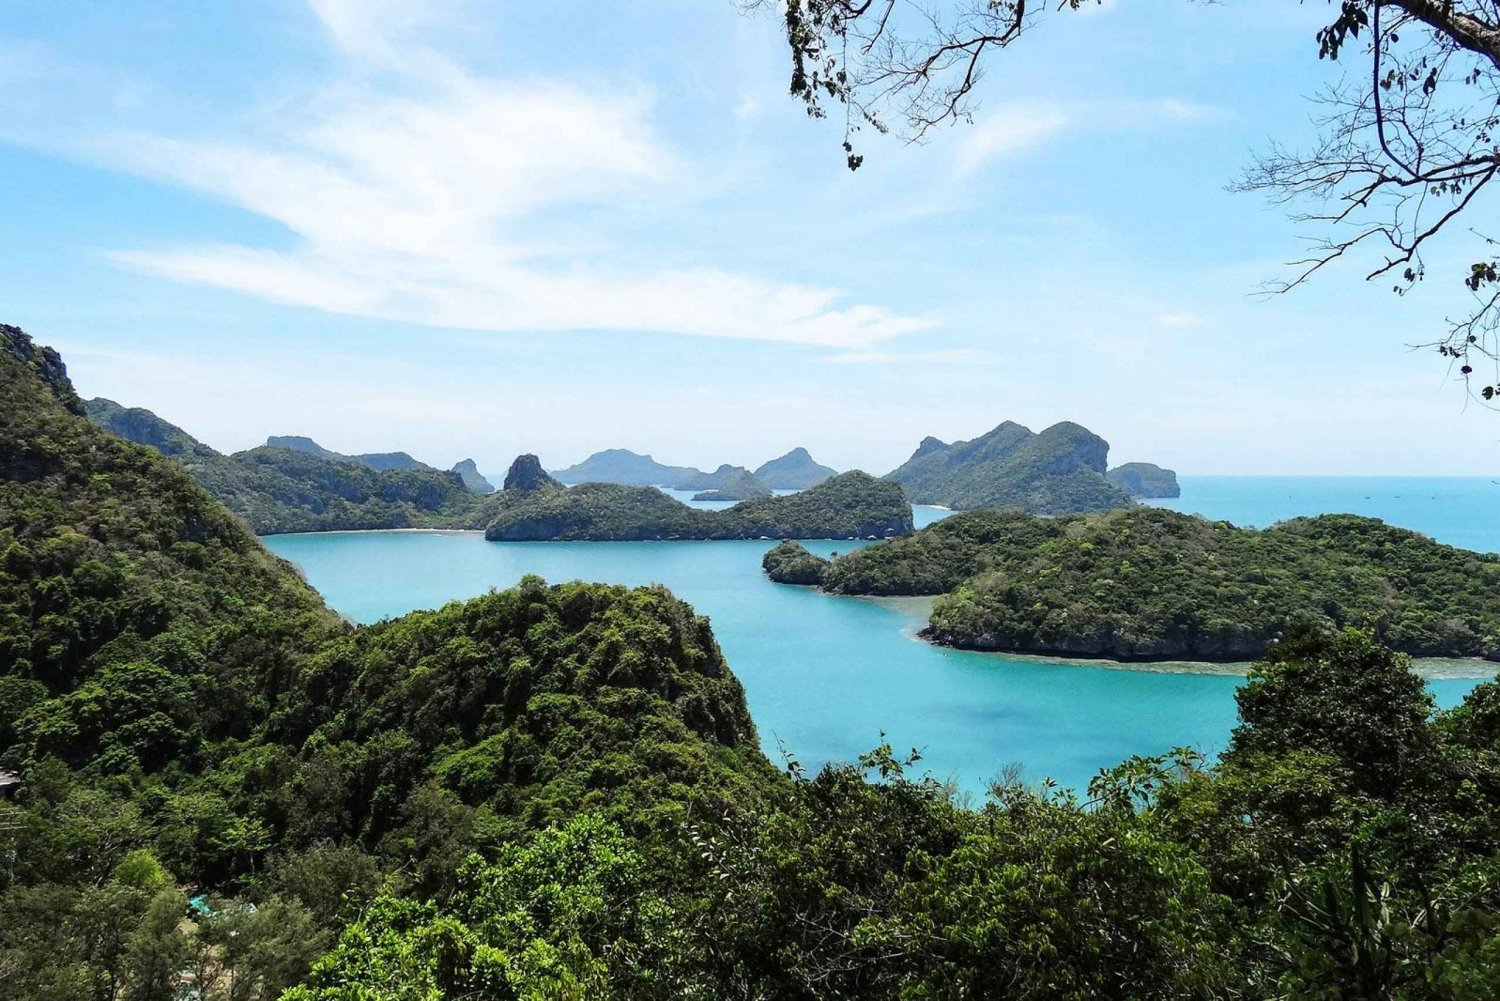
473,229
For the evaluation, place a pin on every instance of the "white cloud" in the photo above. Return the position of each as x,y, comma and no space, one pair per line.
1179,320
950,356
423,195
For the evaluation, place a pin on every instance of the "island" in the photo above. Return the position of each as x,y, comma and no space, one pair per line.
526,475
737,484
854,505
796,470
620,465
472,477
1145,480
1149,584
1060,470
789,562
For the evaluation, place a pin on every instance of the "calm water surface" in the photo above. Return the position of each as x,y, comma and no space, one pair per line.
826,675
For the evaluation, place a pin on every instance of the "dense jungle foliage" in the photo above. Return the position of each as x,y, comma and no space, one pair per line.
1152,584
556,792
850,505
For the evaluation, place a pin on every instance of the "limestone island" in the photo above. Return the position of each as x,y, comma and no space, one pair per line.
1147,584
797,470
737,485
1060,470
1145,480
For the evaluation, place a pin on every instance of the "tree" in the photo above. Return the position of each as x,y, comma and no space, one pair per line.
1407,144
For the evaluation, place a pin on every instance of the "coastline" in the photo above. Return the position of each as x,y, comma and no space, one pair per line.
381,531
916,609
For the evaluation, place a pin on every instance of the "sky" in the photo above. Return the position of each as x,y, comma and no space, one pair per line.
473,229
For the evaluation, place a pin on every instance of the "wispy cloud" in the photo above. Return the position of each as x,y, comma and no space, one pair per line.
423,193
1179,320
1019,127
952,356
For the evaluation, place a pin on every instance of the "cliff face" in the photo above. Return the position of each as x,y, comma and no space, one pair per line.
1145,479
1059,471
797,470
141,426
472,477
43,361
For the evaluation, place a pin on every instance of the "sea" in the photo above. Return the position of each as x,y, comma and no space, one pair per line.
829,677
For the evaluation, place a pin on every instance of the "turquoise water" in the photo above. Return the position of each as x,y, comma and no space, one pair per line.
826,675
1460,511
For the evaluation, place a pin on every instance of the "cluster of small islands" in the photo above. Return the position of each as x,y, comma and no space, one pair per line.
1050,551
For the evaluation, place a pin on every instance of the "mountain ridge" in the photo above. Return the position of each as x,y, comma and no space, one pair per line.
1059,470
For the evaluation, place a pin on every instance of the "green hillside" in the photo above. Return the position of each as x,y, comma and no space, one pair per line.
852,505
1057,471
1149,584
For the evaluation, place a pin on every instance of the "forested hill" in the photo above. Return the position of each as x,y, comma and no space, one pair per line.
1060,470
277,489
114,560
852,505
185,714
1149,584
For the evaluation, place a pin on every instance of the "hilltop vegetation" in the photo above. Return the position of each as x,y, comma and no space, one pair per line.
852,505
185,711
789,562
1150,584
1059,471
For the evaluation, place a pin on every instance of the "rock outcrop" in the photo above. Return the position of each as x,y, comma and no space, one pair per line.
472,477
1145,480
526,475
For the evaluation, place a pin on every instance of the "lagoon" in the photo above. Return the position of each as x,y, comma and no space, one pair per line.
826,675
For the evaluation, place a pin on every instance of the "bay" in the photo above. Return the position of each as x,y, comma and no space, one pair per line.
825,676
